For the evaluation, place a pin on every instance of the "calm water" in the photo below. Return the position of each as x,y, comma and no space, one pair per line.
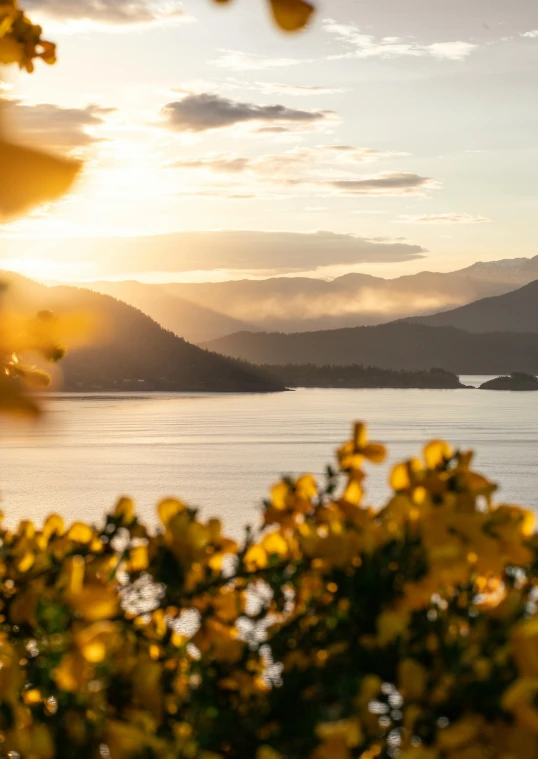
221,452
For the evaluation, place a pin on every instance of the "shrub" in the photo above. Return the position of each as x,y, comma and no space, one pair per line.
335,631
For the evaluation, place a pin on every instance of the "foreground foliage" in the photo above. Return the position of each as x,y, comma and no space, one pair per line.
28,176
28,345
336,631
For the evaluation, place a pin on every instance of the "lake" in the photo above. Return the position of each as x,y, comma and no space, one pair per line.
222,452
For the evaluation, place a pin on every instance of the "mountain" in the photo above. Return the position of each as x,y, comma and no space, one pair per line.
513,271
205,311
131,351
398,345
516,311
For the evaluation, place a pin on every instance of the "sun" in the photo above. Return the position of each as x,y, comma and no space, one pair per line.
46,269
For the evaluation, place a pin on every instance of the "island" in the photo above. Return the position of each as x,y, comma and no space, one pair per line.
358,376
514,381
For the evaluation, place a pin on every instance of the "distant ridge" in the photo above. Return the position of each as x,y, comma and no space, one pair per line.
516,311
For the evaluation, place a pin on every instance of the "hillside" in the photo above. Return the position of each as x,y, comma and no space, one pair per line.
398,345
132,352
189,320
205,311
516,311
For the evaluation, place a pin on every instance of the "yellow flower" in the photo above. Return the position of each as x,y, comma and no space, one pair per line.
294,495
34,741
80,533
337,738
391,625
168,508
406,475
95,602
227,605
138,558
97,641
291,15
275,545
255,558
460,733
353,491
525,645
124,740
125,511
437,453
418,752
353,453
71,673
54,525
266,752
412,679
520,700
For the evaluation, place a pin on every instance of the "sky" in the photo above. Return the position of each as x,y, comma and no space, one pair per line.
390,137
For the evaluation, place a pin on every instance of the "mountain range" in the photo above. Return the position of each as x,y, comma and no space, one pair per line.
205,311
145,351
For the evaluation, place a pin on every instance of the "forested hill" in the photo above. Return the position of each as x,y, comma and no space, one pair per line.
132,352
135,352
513,312
356,376
398,345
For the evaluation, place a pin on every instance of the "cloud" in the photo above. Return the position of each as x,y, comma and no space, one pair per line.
113,13
444,218
388,183
52,127
270,88
533,34
323,170
267,88
240,250
273,130
204,112
227,165
290,162
361,45
450,51
239,61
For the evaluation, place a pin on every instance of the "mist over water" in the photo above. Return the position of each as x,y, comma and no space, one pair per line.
222,452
